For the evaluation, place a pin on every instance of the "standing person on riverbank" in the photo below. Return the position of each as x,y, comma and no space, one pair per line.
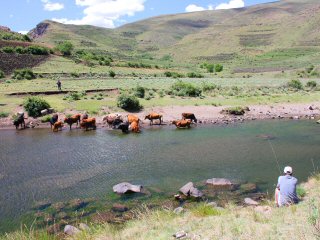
59,85
285,193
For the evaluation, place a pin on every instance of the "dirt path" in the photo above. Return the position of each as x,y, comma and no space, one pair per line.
209,114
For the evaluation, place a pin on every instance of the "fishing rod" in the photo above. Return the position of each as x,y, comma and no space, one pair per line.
275,155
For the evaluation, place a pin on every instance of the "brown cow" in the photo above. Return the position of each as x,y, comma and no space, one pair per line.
56,126
88,123
133,118
113,120
134,126
73,119
153,116
190,116
182,123
53,119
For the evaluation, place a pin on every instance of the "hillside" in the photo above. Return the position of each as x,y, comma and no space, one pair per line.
267,37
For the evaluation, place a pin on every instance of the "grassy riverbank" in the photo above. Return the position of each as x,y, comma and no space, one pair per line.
205,222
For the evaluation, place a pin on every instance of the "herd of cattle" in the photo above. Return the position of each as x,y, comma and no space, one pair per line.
116,121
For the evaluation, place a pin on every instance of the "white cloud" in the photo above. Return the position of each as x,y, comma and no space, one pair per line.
50,6
104,13
23,32
194,8
231,4
11,16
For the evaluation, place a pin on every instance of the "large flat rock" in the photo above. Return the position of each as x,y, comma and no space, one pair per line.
125,187
220,183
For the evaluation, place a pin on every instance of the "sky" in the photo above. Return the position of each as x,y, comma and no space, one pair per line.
23,15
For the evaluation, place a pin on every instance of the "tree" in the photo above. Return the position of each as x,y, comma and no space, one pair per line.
65,48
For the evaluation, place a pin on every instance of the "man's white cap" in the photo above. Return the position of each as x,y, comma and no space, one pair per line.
287,169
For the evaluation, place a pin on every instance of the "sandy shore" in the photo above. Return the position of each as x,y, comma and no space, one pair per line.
206,114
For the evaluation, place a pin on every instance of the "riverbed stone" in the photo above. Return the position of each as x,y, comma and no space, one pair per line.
318,121
84,227
219,183
250,202
71,230
189,190
117,207
178,210
180,235
125,187
44,112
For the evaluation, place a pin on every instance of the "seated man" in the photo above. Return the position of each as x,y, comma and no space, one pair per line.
286,194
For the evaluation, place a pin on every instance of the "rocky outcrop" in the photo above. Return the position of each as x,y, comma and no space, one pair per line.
250,202
125,187
5,29
39,30
70,230
190,191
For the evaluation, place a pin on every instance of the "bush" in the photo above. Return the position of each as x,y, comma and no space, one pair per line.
4,114
1,74
8,49
37,50
112,74
218,68
173,74
65,48
139,92
34,106
21,50
310,84
74,75
236,110
206,87
45,119
129,103
185,89
296,84
194,75
301,192
75,96
26,73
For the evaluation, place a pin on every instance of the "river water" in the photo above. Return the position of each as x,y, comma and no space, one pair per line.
37,164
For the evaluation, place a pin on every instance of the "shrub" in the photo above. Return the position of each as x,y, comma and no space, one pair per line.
74,74
112,74
65,48
4,114
310,84
185,89
34,105
75,96
37,50
208,66
139,92
194,75
21,50
26,73
45,119
129,103
8,49
301,192
296,84
236,110
206,87
1,74
173,74
218,68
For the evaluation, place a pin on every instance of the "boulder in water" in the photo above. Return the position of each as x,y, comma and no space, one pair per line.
189,190
318,121
219,183
125,187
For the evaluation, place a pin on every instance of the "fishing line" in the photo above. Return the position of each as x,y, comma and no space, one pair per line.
275,155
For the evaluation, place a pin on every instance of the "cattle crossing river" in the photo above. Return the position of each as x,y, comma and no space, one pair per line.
37,165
